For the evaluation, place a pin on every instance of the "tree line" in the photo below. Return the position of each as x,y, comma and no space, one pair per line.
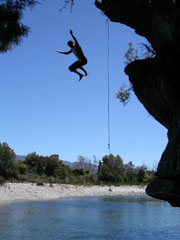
50,169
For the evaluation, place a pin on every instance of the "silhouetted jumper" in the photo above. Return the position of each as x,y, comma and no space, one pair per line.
76,49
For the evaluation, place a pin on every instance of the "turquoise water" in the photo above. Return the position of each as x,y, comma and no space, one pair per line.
90,218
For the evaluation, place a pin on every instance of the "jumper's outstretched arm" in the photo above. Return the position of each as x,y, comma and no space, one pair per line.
71,32
66,53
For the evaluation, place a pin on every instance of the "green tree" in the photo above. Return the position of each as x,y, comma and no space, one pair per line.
7,161
142,175
11,28
99,166
114,163
47,165
78,171
130,167
52,165
106,174
63,171
132,55
42,165
112,169
32,160
130,172
22,168
124,92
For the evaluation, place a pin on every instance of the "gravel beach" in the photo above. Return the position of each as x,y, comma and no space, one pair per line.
31,192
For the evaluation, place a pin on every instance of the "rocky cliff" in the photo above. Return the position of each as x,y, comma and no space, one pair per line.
156,81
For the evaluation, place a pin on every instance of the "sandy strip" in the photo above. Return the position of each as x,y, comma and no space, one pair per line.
29,191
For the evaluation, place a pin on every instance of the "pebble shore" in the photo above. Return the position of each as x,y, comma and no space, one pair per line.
31,192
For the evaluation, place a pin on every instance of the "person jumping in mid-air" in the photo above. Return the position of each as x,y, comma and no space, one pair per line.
76,49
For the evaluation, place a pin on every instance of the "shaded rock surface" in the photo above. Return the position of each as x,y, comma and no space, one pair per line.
156,81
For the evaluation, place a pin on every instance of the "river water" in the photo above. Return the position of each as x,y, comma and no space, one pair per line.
91,218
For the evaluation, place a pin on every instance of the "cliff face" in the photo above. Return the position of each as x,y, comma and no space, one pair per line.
156,81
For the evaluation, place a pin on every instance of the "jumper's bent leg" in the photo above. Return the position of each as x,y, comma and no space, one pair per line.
86,73
73,68
82,63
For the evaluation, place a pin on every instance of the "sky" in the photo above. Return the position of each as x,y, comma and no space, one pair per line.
45,109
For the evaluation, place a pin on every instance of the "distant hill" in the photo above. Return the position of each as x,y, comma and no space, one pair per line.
86,166
20,157
70,164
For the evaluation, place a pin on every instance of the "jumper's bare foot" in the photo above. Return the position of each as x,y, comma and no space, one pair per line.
80,77
86,73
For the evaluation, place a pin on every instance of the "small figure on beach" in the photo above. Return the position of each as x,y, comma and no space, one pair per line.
82,60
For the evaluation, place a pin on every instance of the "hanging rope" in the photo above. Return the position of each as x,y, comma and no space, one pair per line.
108,87
72,4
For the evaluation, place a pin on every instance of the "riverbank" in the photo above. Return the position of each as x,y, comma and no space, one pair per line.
31,192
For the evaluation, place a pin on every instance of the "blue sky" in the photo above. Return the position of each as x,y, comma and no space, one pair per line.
44,108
